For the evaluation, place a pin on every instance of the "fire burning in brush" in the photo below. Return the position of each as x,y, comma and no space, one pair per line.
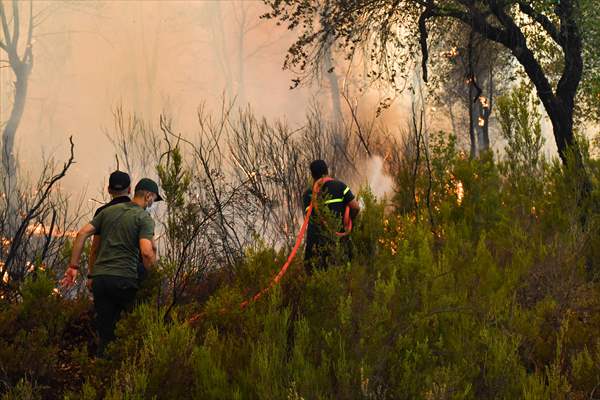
453,52
5,277
485,103
460,192
41,230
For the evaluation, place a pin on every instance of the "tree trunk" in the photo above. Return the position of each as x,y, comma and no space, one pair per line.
485,113
472,137
562,125
559,105
8,135
560,108
452,120
334,86
219,44
484,129
241,84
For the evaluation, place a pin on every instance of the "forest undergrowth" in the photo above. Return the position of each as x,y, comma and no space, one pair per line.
478,279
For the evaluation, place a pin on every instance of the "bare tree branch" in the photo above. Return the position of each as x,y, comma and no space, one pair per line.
16,23
49,234
33,211
7,37
428,13
543,20
355,120
30,29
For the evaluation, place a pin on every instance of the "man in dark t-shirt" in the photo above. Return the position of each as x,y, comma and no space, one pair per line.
335,196
119,189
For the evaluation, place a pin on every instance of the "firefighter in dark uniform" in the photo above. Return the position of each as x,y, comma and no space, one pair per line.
321,238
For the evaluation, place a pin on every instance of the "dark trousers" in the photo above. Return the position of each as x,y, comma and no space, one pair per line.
112,296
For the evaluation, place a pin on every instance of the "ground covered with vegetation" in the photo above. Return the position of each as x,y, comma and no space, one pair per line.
477,277
483,285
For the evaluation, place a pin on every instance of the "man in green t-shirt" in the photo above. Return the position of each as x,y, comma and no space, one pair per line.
127,230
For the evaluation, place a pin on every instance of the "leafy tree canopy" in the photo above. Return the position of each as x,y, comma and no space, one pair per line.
554,41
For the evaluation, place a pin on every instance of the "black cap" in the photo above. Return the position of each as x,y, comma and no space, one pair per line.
318,169
119,180
148,185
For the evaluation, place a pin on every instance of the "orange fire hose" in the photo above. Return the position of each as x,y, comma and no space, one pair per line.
313,205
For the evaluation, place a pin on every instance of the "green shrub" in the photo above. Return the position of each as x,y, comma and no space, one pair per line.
43,338
23,390
490,298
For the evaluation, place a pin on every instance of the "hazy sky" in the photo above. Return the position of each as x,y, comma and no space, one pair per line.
150,56
147,56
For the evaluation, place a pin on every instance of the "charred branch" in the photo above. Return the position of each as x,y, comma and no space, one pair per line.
36,208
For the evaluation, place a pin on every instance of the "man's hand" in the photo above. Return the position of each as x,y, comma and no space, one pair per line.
70,276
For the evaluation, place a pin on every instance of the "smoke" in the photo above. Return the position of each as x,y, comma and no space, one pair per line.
148,56
381,184
151,57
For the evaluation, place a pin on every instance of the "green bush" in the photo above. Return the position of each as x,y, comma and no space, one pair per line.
44,338
486,292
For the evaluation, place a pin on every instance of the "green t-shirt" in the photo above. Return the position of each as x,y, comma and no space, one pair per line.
121,227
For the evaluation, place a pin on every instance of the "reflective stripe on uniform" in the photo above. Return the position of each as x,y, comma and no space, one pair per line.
334,201
346,190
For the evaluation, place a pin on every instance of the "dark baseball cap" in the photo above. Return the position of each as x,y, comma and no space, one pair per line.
318,169
148,185
119,180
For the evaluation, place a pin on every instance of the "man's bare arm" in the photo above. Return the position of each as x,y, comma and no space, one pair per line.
148,250
83,234
71,272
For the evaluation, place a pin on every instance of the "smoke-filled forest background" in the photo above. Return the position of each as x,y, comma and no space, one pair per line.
468,129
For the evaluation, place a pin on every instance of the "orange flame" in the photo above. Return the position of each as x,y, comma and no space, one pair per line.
40,230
